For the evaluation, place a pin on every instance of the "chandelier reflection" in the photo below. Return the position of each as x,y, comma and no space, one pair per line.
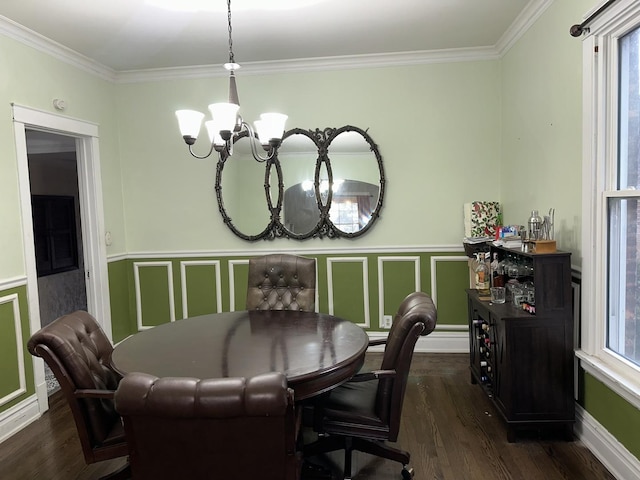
307,186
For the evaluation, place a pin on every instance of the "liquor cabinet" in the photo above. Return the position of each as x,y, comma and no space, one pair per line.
524,361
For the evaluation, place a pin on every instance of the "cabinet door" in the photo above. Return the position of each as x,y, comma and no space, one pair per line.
538,370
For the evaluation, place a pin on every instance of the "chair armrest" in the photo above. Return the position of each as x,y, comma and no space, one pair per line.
377,341
372,375
94,393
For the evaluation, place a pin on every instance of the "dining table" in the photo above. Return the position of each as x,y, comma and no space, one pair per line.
315,351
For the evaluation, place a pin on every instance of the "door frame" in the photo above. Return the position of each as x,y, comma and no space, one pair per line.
91,214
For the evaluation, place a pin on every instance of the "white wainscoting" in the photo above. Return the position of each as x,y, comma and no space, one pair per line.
19,416
381,261
184,265
22,383
364,262
613,455
136,275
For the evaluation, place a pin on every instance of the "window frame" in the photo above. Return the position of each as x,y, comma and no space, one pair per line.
599,184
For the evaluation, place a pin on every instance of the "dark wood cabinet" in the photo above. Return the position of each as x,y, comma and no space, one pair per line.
524,361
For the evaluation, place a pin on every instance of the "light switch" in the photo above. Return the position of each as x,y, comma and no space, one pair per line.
107,239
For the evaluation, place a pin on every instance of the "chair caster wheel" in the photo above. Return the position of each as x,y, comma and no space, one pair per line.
407,473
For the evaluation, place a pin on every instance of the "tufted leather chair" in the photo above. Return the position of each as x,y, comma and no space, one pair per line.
281,282
78,352
231,428
366,411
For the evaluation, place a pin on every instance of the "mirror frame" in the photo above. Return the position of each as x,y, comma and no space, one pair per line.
324,228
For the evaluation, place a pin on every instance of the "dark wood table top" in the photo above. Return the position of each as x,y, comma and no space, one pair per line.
315,351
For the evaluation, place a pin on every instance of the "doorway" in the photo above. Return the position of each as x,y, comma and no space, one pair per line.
92,260
57,228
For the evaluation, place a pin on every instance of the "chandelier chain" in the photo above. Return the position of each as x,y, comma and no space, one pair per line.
231,59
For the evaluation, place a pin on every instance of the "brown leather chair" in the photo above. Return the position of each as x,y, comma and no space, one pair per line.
231,428
366,411
77,350
282,282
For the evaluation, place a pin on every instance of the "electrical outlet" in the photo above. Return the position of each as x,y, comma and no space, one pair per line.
387,320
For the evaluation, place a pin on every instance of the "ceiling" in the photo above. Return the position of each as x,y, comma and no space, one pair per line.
130,35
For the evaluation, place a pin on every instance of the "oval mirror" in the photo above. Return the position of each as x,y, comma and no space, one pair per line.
357,181
242,198
319,183
297,157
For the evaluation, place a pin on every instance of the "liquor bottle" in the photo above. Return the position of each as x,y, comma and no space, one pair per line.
497,273
482,273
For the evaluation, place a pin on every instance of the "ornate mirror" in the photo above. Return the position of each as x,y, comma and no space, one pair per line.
240,181
320,183
298,156
357,181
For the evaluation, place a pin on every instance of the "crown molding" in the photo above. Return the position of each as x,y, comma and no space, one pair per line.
523,22
32,39
347,62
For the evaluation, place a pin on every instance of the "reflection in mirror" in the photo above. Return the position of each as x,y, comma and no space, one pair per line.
356,177
245,204
298,156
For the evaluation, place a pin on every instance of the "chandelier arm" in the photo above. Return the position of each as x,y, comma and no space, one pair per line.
201,157
254,149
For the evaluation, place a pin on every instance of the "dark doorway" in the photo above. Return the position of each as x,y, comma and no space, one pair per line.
53,180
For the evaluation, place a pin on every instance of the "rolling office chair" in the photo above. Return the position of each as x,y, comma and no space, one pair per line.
77,350
232,428
281,282
365,412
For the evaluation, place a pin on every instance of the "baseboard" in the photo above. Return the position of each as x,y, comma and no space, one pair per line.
435,342
19,416
613,455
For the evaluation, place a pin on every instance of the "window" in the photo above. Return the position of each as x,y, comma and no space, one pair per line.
623,286
344,213
611,201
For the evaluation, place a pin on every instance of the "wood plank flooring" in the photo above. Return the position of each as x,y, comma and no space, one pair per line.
449,426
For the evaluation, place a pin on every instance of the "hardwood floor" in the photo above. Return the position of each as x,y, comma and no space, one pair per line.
449,426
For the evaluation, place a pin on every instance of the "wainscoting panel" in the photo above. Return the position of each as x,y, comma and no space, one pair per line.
362,286
348,288
155,302
449,275
238,278
201,287
12,352
398,276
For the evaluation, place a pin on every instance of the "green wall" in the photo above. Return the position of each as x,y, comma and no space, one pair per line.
15,360
541,77
34,79
151,290
436,125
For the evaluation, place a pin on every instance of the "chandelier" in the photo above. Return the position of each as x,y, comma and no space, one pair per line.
226,121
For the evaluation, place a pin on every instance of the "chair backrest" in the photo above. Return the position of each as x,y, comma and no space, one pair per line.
78,352
416,316
281,282
232,428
